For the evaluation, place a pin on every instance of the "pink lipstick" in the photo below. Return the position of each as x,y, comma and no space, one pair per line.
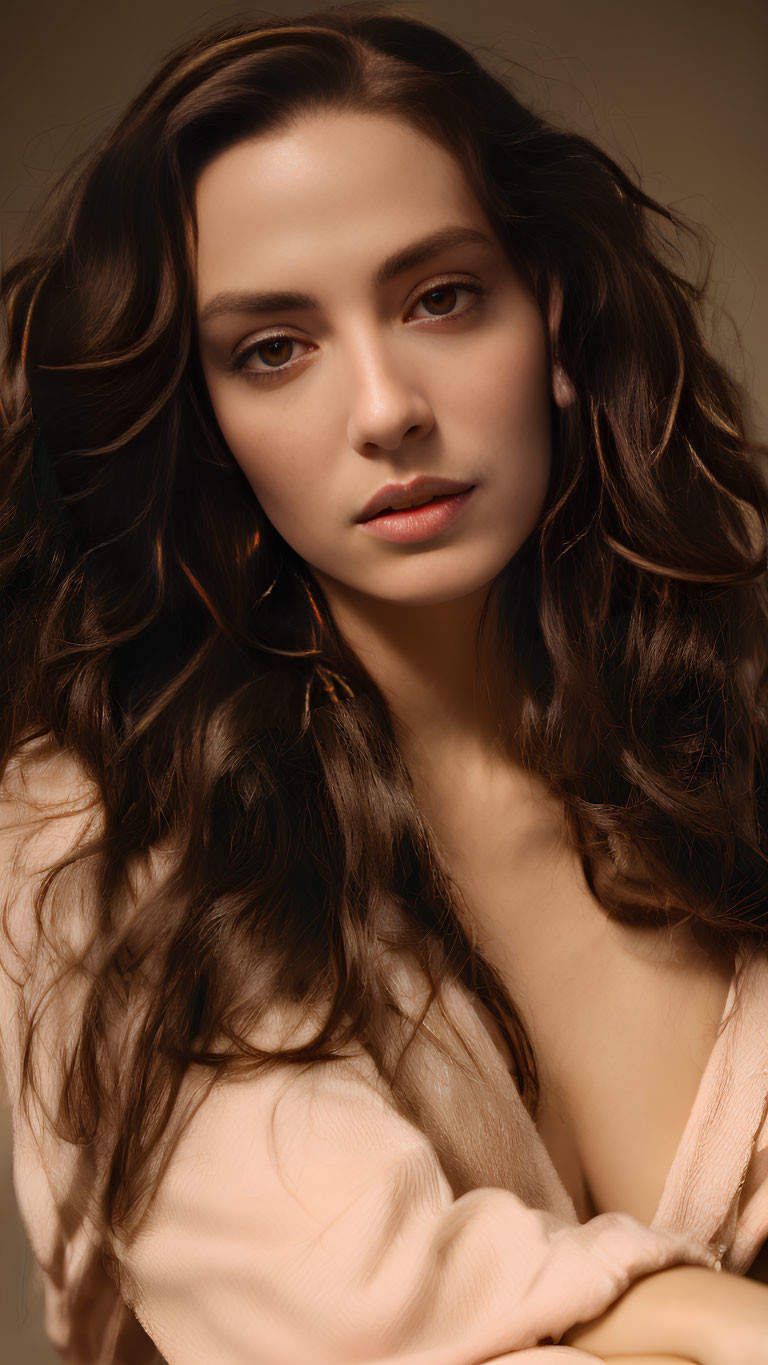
411,524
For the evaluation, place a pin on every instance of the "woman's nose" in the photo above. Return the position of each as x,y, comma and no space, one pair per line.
386,403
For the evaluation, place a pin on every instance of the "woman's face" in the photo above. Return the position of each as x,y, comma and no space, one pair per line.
394,356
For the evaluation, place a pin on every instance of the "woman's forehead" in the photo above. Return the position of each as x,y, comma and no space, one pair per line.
336,189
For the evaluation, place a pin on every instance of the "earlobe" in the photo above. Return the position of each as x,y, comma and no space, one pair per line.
562,389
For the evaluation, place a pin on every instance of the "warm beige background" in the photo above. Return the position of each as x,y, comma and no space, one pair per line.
677,89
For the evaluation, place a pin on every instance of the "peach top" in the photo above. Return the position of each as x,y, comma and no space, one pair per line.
303,1219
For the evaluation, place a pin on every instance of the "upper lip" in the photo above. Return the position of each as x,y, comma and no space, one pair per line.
421,489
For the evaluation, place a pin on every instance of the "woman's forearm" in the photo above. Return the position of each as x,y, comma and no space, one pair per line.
652,1316
686,1311
647,1360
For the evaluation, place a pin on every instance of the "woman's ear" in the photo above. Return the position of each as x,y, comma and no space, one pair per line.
563,391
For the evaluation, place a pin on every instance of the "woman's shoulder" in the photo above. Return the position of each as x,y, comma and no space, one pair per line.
49,806
43,779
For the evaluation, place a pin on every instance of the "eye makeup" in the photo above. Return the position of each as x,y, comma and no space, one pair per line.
238,361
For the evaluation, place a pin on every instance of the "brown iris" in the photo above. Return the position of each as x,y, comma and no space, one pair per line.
279,357
444,289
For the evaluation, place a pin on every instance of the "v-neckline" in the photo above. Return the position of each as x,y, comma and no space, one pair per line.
676,1199
702,1190
708,1177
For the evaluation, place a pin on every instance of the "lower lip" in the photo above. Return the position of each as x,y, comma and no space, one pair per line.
419,523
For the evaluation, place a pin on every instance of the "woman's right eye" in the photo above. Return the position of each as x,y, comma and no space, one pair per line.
276,351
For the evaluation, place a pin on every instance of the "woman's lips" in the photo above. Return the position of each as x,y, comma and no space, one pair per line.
413,524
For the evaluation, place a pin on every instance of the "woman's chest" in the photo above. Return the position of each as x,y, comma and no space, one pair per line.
617,1087
622,1021
614,1107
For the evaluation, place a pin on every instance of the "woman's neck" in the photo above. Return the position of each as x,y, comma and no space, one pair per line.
430,666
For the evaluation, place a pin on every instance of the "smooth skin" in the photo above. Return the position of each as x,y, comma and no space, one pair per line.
378,383
438,364
713,1318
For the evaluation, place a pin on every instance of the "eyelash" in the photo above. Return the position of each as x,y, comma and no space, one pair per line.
265,376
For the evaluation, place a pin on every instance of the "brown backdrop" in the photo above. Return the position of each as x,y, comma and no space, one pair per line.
675,89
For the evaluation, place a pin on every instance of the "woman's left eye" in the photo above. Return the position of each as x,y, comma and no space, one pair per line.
441,299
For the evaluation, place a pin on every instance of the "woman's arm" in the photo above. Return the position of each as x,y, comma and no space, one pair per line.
302,1212
713,1318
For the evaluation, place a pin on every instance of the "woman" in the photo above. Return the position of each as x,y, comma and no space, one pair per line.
384,966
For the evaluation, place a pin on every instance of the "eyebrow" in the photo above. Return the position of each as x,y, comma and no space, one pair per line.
407,258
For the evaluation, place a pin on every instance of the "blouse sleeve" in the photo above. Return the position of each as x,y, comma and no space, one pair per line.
302,1218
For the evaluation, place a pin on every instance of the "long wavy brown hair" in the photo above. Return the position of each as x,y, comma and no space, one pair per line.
156,628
